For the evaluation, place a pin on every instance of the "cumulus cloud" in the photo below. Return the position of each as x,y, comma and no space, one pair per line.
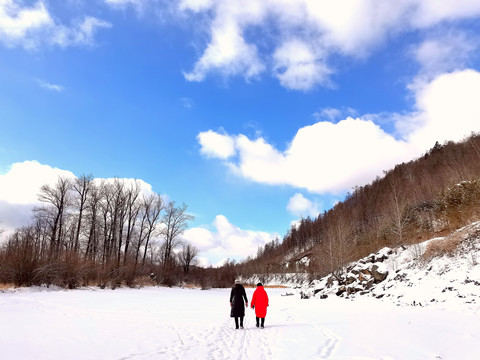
295,38
226,240
448,109
229,54
20,186
214,144
329,157
302,207
19,189
323,157
33,26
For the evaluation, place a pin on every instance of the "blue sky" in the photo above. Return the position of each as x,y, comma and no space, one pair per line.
254,113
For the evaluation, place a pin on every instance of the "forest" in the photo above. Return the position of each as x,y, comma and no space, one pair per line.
111,234
415,201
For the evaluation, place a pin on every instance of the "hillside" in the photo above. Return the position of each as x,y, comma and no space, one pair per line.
428,197
439,270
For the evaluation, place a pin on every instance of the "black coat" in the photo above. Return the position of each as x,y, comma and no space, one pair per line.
237,297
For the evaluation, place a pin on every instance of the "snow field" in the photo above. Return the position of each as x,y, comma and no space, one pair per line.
164,323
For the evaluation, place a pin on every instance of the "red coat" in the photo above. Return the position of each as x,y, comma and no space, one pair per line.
260,302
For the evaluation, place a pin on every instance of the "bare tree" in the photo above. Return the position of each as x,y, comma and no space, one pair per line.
94,199
175,222
81,186
133,208
340,242
152,207
400,215
56,200
188,257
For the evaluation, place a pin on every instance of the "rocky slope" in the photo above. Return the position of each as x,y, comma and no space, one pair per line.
439,270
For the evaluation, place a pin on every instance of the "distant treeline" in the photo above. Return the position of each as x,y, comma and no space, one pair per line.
88,232
429,196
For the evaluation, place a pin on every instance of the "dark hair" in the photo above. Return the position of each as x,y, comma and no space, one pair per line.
259,284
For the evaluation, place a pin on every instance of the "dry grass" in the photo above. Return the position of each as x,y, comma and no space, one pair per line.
6,286
447,246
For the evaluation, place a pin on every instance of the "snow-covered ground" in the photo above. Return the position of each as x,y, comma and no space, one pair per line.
395,304
174,323
406,276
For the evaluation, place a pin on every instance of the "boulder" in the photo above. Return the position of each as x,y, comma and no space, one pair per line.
364,276
379,273
369,284
351,278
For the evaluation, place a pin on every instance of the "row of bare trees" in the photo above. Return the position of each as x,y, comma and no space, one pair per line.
87,231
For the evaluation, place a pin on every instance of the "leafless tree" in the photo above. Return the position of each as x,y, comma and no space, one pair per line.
81,186
133,208
93,221
57,200
175,222
152,207
401,216
188,257
339,246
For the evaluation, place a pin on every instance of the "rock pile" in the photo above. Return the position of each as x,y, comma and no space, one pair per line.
360,277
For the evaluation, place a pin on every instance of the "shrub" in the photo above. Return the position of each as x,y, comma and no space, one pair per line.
437,248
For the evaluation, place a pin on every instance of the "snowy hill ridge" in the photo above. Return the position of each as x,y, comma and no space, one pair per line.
440,270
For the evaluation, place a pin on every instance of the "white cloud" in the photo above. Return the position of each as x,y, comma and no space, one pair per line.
20,186
353,28
227,53
298,67
48,86
333,114
226,241
334,157
17,23
31,27
195,5
302,207
80,33
448,109
217,145
323,157
430,12
443,53
19,189
294,39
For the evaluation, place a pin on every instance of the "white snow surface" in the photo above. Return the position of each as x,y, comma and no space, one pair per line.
176,323
425,310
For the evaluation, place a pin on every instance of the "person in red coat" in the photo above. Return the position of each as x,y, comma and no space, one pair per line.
260,303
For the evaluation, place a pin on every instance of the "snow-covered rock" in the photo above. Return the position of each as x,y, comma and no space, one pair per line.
413,275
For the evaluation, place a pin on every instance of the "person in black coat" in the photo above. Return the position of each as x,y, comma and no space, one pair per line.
237,305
